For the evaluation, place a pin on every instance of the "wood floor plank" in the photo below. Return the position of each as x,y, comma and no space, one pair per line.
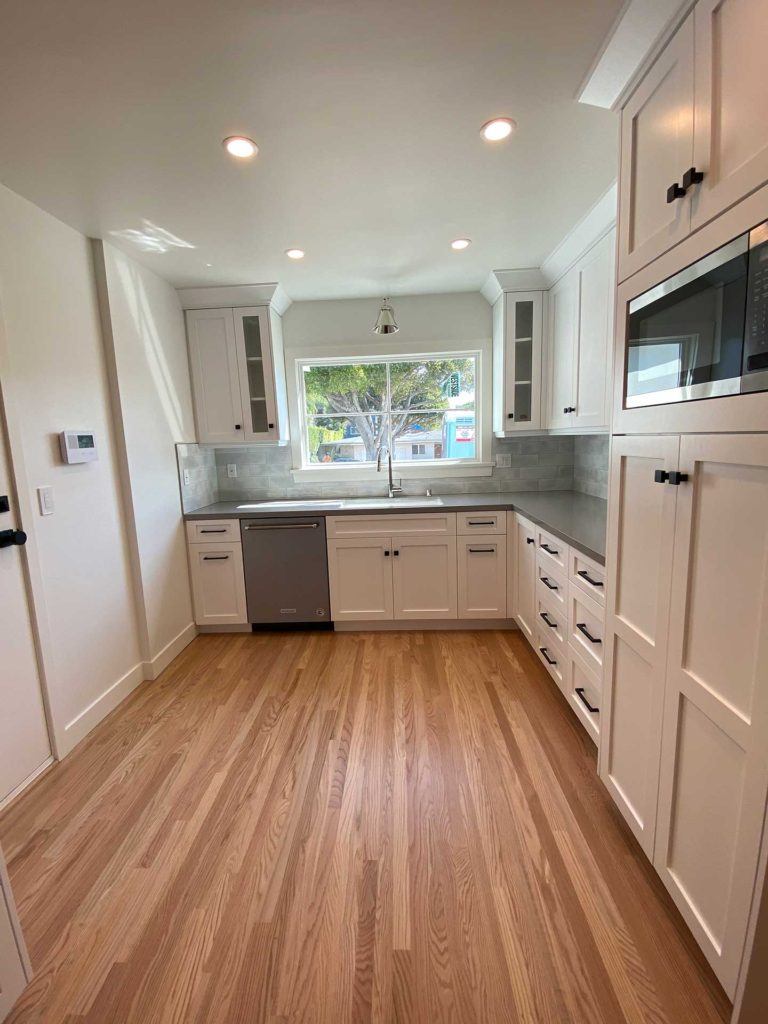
332,828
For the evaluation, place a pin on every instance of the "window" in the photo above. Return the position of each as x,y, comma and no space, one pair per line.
421,409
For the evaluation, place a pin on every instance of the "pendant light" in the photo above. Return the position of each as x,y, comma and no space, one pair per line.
385,324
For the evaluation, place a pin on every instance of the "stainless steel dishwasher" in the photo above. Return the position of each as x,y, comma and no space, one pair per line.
286,569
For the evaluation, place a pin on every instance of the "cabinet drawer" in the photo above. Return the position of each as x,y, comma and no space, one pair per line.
551,585
586,630
584,693
551,620
482,576
552,550
205,531
435,523
481,522
553,656
587,574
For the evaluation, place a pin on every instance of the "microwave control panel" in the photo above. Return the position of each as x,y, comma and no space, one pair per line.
756,326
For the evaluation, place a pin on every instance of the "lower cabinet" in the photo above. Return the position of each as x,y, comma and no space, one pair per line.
218,580
684,751
482,564
360,578
521,535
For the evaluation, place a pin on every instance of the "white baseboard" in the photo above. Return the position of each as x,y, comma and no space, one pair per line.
6,801
379,626
89,717
163,659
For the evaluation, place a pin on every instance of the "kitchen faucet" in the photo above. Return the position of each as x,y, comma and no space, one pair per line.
392,490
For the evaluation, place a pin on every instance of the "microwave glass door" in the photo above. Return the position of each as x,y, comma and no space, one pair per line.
685,337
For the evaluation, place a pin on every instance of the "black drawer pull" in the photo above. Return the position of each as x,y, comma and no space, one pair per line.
481,522
549,550
585,576
583,627
674,192
660,476
215,558
222,530
386,554
549,622
676,478
482,551
692,177
548,583
584,701
545,653
529,540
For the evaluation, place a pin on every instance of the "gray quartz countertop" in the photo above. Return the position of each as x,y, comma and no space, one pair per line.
578,519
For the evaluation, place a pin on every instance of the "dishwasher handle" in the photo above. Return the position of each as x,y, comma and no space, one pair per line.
287,526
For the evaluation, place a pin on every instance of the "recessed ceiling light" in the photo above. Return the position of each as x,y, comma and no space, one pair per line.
497,129
240,146
295,254
209,264
460,243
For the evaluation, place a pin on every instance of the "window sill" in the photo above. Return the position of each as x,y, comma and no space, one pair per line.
425,471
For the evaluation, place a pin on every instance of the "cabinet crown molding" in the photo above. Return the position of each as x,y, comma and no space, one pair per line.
226,296
525,279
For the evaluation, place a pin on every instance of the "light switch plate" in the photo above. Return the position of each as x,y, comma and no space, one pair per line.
231,469
503,461
45,500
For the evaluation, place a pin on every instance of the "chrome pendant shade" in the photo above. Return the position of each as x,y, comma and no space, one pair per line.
385,323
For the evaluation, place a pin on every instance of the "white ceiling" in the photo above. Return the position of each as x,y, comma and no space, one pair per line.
366,113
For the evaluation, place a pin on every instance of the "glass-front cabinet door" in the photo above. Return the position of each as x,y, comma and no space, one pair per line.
522,331
256,376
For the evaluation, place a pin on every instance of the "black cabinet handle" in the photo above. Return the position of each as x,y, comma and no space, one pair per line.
583,627
585,576
660,476
676,478
692,177
510,415
547,583
481,522
569,408
548,549
529,540
395,553
9,538
543,615
584,701
215,558
238,426
386,554
482,551
222,530
271,426
675,192
549,661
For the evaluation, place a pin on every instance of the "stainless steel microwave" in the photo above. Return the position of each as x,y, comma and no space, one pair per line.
702,333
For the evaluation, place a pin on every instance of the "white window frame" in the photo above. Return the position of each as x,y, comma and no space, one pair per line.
418,469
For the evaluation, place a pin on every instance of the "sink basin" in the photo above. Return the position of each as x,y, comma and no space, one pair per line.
337,503
391,502
286,506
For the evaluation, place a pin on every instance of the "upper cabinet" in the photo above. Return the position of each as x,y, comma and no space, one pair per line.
579,341
238,375
694,133
517,345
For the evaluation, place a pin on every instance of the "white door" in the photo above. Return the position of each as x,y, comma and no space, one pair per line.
482,577
215,377
594,342
730,144
641,526
424,577
524,590
714,764
24,743
564,322
218,584
522,339
254,360
360,578
656,151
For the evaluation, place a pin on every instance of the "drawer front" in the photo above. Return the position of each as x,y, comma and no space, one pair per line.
554,551
551,620
584,693
207,531
553,656
587,574
551,585
586,629
432,523
481,522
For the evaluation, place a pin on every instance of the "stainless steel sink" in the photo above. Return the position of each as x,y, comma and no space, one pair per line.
287,506
321,504
414,502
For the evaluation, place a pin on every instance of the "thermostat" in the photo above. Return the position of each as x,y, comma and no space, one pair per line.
78,446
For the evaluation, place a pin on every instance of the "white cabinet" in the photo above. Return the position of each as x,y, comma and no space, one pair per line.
694,134
522,573
360,578
15,968
482,570
424,577
216,572
686,697
238,375
579,337
517,349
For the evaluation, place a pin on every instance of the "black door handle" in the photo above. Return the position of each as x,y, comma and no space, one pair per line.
238,426
529,540
8,538
692,177
547,583
545,652
396,553
660,476
585,576
543,615
569,408
549,550
584,701
271,426
510,415
482,551
676,478
675,192
215,558
582,626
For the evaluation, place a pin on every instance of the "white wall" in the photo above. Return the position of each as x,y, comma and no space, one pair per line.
146,345
54,375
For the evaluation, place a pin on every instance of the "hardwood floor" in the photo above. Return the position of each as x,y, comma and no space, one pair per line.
344,827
